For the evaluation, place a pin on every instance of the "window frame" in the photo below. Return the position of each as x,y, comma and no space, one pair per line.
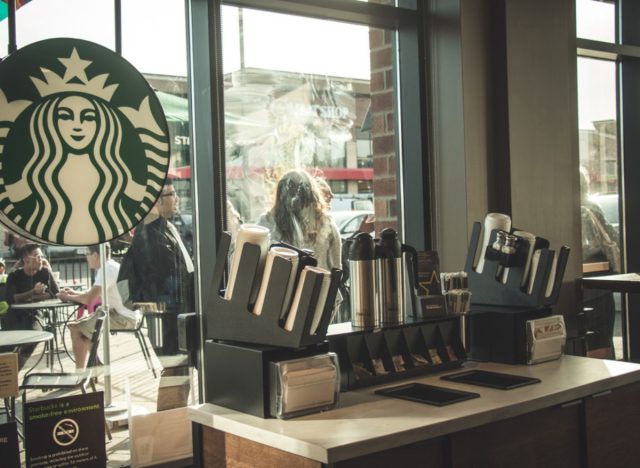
207,121
626,55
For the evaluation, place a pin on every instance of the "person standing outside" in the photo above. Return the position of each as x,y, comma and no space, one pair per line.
32,282
163,269
299,216
120,317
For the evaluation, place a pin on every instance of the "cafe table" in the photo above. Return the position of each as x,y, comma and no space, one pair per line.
622,283
19,338
16,339
50,308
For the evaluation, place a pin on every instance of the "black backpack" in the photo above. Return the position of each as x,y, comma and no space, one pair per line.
127,283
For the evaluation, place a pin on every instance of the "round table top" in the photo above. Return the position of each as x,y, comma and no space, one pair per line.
23,337
48,304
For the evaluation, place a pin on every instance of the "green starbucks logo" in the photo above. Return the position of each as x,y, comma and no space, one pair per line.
84,146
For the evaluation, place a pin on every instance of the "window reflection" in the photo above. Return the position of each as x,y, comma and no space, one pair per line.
316,96
598,160
147,360
600,201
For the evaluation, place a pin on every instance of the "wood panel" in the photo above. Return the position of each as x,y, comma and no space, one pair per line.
220,450
431,453
613,428
542,103
549,438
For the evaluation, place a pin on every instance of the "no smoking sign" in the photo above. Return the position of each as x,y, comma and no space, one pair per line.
66,432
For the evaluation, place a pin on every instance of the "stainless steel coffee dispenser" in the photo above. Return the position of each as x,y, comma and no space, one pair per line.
362,266
393,284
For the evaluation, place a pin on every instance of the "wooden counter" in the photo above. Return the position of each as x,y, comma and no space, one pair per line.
583,409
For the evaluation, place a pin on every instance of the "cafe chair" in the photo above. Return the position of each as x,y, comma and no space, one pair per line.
70,380
142,341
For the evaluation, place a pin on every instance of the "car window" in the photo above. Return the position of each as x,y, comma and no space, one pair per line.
353,225
609,206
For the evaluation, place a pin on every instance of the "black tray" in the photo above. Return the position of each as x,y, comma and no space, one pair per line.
429,394
491,379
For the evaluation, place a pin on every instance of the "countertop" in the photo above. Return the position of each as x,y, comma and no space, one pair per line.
364,423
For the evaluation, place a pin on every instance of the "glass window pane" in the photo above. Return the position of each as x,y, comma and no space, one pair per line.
311,95
92,20
159,246
163,50
154,41
596,20
598,158
162,58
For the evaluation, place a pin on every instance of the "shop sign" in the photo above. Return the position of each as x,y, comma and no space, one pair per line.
67,431
9,449
84,143
8,375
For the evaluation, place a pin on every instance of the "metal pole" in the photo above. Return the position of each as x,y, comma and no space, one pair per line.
106,327
11,16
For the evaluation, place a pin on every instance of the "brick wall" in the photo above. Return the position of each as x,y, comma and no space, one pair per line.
385,186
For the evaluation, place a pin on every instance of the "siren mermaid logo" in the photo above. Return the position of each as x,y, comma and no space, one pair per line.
84,146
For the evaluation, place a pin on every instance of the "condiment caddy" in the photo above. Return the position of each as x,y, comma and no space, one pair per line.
376,356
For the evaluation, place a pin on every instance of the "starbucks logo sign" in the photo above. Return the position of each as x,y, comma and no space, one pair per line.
84,144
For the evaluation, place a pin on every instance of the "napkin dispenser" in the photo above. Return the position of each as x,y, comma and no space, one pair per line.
305,385
546,338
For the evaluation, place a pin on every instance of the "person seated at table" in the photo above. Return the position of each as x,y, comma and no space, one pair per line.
120,317
31,282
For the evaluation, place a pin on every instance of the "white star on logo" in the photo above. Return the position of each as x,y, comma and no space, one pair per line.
75,66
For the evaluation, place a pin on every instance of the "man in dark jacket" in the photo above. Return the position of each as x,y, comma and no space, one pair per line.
163,270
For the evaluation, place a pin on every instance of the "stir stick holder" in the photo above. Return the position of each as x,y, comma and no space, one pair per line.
233,320
488,288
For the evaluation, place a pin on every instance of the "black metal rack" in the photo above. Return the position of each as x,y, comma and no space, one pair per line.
489,290
377,356
233,320
499,311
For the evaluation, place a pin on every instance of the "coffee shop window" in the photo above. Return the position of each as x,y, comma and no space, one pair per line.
301,104
600,200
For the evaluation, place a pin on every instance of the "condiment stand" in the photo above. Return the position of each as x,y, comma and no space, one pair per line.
239,344
499,311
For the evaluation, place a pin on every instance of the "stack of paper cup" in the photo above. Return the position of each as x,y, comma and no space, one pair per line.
492,221
249,234
291,256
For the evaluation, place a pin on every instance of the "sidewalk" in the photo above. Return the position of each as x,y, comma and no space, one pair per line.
132,387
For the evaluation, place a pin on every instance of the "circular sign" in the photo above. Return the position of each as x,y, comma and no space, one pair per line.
84,143
65,432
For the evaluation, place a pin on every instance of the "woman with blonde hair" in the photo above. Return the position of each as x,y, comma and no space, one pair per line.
299,217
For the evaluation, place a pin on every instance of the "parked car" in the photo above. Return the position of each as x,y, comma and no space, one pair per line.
609,204
353,202
348,222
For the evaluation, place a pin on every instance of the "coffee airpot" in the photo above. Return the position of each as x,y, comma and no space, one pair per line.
362,273
394,283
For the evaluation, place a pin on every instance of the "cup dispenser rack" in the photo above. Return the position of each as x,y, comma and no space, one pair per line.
233,320
500,309
489,289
